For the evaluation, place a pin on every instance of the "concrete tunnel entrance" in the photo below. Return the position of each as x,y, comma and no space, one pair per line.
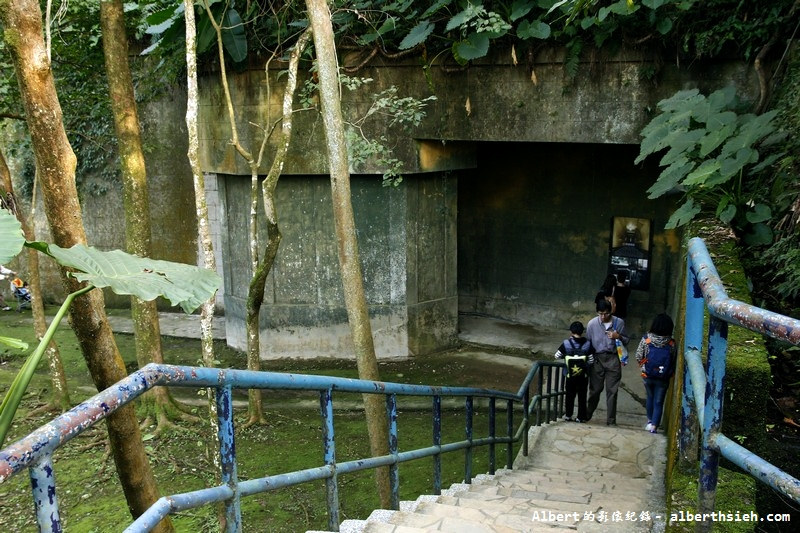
535,227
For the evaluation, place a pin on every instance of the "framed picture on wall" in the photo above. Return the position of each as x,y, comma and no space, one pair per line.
629,252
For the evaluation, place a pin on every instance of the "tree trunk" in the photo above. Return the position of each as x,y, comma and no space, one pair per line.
203,230
146,328
55,161
59,397
262,268
357,313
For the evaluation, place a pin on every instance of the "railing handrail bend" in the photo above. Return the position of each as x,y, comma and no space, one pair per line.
34,451
703,390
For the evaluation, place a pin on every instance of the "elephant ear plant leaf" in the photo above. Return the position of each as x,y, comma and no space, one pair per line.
186,286
708,153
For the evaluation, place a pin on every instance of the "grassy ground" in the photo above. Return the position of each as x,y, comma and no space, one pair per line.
89,495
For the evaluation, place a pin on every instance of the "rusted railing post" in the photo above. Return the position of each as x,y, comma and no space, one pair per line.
394,478
43,484
712,418
510,433
468,412
227,455
491,435
437,442
329,452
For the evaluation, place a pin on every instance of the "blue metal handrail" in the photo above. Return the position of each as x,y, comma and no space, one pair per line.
703,392
34,451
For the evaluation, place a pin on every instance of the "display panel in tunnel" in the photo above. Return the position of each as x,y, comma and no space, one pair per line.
629,254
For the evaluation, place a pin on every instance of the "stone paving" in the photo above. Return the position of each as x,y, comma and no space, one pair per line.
581,477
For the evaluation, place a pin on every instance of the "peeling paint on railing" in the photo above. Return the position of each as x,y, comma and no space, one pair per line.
35,450
704,390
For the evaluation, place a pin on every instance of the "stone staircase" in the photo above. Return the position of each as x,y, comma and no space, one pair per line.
584,477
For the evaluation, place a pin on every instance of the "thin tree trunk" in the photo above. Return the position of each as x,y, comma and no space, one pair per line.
357,313
59,398
146,328
55,161
203,229
268,185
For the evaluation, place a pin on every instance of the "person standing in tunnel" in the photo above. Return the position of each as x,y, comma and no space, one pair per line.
603,331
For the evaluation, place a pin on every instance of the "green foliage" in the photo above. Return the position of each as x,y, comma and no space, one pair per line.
784,259
708,150
363,146
167,26
184,285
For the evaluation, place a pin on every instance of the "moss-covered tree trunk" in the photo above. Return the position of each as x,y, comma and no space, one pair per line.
262,267
55,162
146,328
59,398
349,261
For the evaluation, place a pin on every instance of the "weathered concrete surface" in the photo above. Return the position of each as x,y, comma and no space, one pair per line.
608,101
536,165
528,239
413,297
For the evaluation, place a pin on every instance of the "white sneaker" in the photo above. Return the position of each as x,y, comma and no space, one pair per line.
566,418
649,427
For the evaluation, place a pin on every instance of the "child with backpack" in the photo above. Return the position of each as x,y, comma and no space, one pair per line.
656,357
577,353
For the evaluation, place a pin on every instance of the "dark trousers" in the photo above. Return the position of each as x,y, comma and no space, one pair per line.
576,386
605,372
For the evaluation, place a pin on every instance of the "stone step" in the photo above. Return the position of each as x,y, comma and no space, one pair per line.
619,488
601,487
569,492
556,473
511,505
384,527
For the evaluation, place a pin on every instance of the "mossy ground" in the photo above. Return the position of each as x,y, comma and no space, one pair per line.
732,488
182,459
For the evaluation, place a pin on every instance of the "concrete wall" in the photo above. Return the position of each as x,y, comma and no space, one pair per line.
608,102
413,299
510,185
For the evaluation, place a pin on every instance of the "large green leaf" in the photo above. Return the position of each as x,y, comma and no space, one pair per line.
436,8
713,139
664,25
533,30
462,17
11,238
670,177
701,174
683,215
760,213
727,213
721,120
759,235
233,36
722,98
473,47
206,34
185,285
680,100
417,35
520,8
681,142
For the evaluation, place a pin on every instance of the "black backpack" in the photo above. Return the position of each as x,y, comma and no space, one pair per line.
658,363
576,358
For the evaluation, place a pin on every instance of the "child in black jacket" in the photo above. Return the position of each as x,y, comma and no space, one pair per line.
577,353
